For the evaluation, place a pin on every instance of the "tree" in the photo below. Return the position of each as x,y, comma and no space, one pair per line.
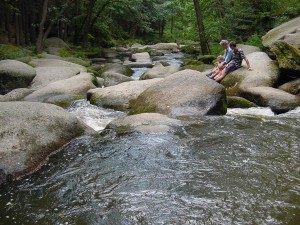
203,42
39,41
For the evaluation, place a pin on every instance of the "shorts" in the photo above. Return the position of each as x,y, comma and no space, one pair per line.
230,68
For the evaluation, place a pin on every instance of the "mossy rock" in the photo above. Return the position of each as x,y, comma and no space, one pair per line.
207,59
140,105
64,101
238,102
55,42
96,73
187,49
287,55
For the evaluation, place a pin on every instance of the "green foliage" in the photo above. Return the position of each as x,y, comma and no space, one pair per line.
255,40
12,52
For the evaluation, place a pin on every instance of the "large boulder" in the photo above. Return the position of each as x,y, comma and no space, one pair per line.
56,63
287,56
288,32
14,74
265,73
119,96
185,93
159,71
145,123
15,95
29,132
247,49
55,42
76,85
279,101
47,75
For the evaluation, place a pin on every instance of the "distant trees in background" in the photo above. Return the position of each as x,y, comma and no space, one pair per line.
111,22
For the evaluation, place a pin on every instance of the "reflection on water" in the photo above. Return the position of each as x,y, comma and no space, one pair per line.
231,169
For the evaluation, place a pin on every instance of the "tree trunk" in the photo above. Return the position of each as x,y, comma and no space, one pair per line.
39,41
203,42
87,25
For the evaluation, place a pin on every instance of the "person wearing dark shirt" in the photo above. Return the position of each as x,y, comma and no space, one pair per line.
235,63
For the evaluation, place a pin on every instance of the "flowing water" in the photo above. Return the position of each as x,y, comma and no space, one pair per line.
242,169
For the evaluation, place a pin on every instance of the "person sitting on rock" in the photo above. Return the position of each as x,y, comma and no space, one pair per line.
234,64
226,59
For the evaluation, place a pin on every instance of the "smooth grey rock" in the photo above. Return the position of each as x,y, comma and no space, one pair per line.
47,75
283,32
76,85
30,132
55,42
15,95
14,74
292,87
279,101
112,78
56,63
119,96
185,93
159,71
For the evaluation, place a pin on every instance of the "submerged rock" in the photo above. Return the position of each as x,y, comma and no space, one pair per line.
14,74
29,132
185,93
145,122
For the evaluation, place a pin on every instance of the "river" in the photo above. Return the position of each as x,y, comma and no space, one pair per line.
242,168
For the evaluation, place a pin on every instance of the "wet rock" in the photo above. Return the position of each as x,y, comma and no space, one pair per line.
14,74
292,87
56,63
159,71
76,85
119,96
64,100
15,95
279,101
288,32
185,93
238,102
29,132
145,123
47,75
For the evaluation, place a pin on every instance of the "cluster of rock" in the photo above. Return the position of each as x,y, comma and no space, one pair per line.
31,128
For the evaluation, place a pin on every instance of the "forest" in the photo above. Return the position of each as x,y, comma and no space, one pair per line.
108,23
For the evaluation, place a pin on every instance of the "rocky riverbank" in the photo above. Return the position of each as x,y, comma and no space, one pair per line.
32,127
